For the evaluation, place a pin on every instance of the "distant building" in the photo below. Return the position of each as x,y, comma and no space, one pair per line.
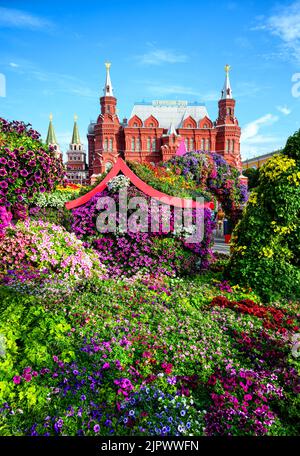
77,169
51,139
257,162
155,130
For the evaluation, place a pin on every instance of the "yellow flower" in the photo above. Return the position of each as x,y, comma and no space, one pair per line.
277,165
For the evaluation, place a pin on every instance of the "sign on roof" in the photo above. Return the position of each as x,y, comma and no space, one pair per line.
177,103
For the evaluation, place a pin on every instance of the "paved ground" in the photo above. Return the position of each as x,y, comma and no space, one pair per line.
220,246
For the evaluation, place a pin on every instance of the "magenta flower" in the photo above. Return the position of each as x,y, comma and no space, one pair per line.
27,377
17,379
3,172
3,184
106,366
24,172
29,182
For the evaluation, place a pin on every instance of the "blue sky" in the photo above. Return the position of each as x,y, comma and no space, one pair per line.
52,57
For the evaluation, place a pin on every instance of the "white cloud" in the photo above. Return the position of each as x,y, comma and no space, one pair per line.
54,82
254,143
285,23
284,110
252,128
161,56
21,19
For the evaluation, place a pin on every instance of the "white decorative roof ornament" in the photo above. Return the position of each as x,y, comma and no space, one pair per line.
226,92
172,130
108,88
169,111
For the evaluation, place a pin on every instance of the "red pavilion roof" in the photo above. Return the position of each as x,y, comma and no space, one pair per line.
120,165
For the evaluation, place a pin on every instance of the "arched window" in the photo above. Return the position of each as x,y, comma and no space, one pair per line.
75,147
108,108
135,124
132,144
138,144
208,144
153,144
229,111
106,144
205,126
187,144
151,124
148,144
110,144
55,147
79,147
232,145
191,144
202,144
228,145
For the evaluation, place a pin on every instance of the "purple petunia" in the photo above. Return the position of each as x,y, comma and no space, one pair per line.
24,172
3,184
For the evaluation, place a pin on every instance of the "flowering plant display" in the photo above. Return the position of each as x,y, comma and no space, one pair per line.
48,248
27,166
266,242
127,253
150,358
118,182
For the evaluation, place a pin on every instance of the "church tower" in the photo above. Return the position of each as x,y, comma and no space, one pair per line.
51,139
106,147
76,162
228,130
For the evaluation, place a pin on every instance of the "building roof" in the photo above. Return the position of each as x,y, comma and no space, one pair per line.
51,138
168,112
120,165
108,88
75,135
260,157
226,92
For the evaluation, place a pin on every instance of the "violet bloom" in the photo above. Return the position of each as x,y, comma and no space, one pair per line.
24,172
3,161
96,428
17,379
3,184
29,182
11,164
3,172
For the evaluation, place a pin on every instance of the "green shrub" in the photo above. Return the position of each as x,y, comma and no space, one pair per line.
266,242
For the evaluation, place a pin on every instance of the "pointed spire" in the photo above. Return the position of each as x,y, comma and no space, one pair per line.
75,135
108,89
51,138
226,92
172,130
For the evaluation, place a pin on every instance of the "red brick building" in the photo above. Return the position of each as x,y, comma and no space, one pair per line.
155,130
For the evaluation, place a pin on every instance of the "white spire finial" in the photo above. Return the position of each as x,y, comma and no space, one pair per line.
227,92
172,130
108,89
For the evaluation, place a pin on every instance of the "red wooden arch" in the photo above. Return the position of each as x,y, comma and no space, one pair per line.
120,165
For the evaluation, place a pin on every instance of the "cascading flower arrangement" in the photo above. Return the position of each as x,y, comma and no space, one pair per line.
212,173
128,253
27,166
